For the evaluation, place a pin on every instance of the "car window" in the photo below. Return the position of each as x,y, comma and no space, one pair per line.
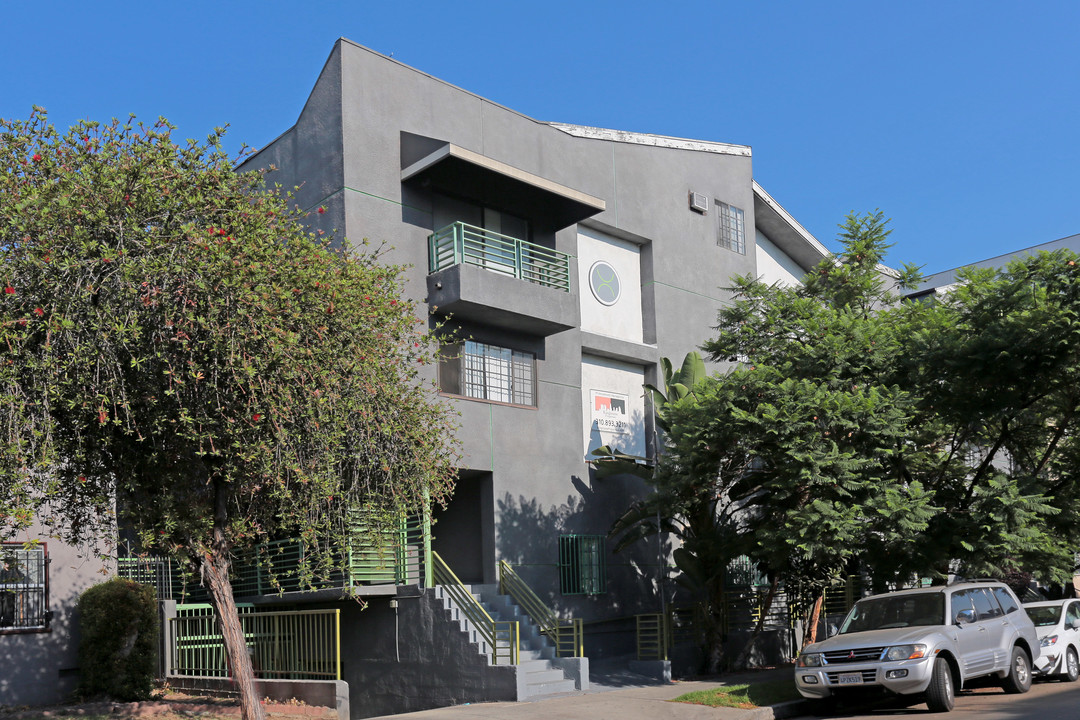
961,600
1044,615
1073,613
895,611
1008,604
985,605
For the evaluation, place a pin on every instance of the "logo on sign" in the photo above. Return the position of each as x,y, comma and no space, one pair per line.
609,412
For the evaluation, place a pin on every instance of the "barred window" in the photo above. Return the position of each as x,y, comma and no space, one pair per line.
581,565
488,372
24,586
732,229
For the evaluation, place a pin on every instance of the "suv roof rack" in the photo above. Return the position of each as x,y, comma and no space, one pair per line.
959,579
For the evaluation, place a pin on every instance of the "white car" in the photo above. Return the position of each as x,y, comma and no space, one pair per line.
1058,625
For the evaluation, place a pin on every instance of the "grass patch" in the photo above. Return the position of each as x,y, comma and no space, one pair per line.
747,695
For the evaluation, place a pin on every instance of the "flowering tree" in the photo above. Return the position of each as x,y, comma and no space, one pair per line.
173,339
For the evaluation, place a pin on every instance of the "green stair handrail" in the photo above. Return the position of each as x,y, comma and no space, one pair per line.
503,636
568,637
653,636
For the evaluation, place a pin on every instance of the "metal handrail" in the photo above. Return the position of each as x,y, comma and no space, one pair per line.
460,243
653,636
568,638
502,636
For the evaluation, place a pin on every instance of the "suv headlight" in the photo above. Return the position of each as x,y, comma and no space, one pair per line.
809,660
1049,640
905,652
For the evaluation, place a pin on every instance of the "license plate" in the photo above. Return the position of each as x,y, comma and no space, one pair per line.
849,679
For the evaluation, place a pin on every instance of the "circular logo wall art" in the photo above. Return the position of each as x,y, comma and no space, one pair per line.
604,283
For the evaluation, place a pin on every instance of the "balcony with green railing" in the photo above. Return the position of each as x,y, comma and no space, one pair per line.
460,243
370,563
500,280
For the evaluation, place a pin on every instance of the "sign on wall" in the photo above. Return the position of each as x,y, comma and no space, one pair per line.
609,411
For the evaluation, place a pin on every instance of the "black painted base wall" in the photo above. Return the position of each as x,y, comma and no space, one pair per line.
428,663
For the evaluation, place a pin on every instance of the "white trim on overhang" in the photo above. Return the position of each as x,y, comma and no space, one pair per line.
583,131
785,231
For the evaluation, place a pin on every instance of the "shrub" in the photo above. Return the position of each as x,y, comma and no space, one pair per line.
118,649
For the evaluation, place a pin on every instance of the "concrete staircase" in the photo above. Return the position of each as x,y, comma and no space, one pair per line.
539,672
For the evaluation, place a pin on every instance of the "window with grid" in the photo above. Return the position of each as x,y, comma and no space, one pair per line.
24,600
732,229
488,372
581,565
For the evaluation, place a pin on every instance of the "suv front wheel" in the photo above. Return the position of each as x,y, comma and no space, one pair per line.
1019,678
940,696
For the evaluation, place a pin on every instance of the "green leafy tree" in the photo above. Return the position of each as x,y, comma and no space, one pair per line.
996,365
175,341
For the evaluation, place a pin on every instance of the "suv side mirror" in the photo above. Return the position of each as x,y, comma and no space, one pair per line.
1075,624
831,629
965,617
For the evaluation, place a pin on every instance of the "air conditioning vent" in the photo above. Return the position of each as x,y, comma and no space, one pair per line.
698,202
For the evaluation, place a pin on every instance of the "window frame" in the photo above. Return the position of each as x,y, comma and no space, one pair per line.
731,227
471,370
34,590
582,566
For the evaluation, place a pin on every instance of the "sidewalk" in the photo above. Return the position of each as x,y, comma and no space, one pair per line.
619,702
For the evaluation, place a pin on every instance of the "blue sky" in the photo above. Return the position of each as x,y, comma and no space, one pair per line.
958,119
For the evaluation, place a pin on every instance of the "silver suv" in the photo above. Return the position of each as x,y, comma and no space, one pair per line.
931,640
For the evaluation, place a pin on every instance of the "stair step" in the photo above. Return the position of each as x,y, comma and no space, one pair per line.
541,678
552,688
544,677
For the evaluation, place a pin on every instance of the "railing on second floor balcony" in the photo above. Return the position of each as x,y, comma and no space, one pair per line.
463,244
398,555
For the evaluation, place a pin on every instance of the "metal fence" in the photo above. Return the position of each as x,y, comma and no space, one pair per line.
463,244
395,556
284,645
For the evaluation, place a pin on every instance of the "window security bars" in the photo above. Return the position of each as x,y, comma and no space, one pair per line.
496,373
581,565
24,586
732,229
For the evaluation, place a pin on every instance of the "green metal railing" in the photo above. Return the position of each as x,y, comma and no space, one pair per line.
567,637
502,636
653,637
396,556
284,645
463,244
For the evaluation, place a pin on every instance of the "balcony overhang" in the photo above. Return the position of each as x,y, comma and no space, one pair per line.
471,293
786,232
480,179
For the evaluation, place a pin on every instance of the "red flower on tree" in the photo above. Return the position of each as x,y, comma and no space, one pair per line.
36,158
9,290
256,417
39,312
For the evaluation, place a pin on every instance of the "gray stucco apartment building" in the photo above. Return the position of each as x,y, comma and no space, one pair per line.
569,260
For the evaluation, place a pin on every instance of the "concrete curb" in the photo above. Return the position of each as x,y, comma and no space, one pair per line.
789,709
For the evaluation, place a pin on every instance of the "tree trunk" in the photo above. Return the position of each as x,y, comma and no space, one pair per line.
214,563
815,616
743,659
712,619
215,572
